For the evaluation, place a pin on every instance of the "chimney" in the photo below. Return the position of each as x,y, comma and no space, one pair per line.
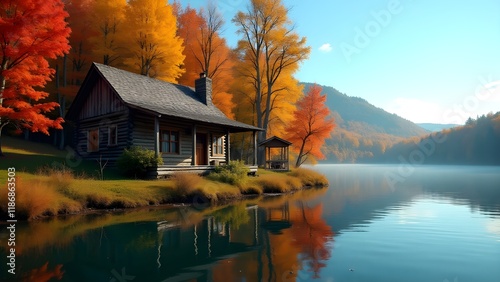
203,88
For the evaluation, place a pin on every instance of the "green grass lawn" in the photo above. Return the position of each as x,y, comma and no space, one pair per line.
31,157
47,184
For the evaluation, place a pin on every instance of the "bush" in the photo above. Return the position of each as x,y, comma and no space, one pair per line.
134,161
35,198
234,173
186,183
59,178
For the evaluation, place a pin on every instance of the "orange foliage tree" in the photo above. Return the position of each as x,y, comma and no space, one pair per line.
311,126
206,52
32,31
80,56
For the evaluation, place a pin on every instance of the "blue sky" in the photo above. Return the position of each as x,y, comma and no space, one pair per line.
427,61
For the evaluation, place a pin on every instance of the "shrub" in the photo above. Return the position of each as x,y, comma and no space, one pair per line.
35,198
60,178
234,173
134,161
185,183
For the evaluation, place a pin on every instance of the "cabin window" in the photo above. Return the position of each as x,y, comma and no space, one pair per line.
93,140
169,142
112,135
217,145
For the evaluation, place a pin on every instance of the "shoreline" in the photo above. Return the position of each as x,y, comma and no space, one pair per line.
223,201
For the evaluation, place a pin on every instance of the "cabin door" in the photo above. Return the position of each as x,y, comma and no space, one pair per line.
201,149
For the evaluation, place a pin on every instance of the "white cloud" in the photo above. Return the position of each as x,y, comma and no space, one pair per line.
326,48
489,91
416,110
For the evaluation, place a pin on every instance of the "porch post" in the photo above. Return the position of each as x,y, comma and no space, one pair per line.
193,133
287,157
157,136
228,147
254,148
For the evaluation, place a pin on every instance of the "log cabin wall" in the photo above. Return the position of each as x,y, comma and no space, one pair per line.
143,135
102,111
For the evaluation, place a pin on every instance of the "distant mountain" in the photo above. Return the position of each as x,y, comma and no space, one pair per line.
435,127
363,130
475,143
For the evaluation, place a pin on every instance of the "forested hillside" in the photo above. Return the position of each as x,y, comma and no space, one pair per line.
476,143
362,129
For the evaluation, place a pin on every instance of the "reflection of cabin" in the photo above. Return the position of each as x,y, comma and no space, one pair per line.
115,109
278,218
277,153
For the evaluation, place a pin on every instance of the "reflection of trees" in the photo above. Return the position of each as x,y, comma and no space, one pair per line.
304,241
235,215
311,234
227,243
44,274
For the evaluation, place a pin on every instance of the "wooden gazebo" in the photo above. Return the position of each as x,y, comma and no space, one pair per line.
277,153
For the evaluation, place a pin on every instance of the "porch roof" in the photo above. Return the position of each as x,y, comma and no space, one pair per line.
275,142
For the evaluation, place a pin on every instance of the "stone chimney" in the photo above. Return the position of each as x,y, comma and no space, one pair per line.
203,88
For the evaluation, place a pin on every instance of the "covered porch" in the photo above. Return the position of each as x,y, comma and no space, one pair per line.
202,147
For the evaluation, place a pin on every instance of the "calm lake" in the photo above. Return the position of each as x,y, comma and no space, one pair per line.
374,223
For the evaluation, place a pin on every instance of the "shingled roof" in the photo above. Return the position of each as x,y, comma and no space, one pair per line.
160,97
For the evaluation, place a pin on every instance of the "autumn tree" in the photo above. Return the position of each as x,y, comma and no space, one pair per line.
269,52
152,46
32,31
311,125
107,20
206,52
80,56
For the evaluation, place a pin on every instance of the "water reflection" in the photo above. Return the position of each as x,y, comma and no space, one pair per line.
278,238
259,239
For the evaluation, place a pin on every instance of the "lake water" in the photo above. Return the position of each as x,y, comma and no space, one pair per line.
374,223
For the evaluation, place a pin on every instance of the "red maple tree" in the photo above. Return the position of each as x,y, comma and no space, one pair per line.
311,125
32,31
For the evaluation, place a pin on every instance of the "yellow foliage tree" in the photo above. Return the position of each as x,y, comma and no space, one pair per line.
151,45
269,54
107,19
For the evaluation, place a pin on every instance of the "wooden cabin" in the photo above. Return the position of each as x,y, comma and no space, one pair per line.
115,109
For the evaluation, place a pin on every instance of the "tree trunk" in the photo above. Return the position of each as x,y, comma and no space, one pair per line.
2,88
1,153
301,153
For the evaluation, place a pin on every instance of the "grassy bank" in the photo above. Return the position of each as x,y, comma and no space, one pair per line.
45,190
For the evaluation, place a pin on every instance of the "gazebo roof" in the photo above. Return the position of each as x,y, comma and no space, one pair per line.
275,142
